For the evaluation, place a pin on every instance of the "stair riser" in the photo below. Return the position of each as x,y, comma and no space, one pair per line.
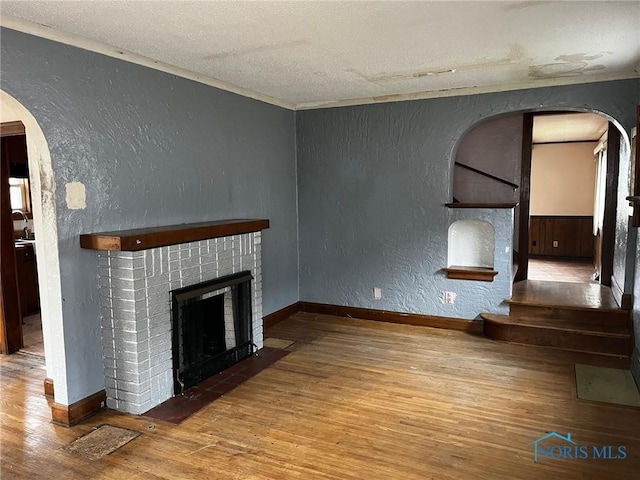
577,341
617,320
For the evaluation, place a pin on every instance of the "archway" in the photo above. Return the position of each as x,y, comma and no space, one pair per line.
511,144
46,246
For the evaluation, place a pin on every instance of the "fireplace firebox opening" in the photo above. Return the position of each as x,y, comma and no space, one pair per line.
211,328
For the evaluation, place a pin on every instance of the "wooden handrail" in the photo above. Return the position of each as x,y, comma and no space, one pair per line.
480,205
488,175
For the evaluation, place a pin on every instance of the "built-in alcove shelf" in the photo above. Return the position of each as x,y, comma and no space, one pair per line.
470,273
153,237
480,205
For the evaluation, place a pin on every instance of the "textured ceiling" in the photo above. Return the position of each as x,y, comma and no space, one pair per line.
570,127
303,54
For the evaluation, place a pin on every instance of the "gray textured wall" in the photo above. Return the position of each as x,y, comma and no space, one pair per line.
495,147
633,249
156,149
152,149
635,365
372,182
625,240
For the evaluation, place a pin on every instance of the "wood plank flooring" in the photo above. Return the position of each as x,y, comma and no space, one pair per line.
354,400
556,269
583,295
32,335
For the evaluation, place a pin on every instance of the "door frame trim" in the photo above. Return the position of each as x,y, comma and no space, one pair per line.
525,197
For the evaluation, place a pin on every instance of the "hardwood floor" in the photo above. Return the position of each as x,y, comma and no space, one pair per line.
584,295
32,335
561,269
354,399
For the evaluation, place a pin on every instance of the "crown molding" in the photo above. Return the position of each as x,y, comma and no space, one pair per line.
50,33
458,92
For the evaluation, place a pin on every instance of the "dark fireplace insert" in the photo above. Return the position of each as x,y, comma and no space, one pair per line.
212,328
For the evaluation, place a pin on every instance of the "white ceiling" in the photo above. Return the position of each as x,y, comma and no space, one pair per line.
304,54
570,127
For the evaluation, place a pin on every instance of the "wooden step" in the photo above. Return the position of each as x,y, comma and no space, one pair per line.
613,320
570,324
580,295
579,336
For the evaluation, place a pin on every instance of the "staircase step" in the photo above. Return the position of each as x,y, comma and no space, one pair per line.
573,336
617,318
577,295
566,324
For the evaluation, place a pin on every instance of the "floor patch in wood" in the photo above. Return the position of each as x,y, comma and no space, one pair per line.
102,441
608,385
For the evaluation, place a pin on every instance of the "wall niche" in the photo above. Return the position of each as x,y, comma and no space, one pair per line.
471,247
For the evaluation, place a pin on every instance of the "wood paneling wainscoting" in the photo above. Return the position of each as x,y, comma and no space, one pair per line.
574,235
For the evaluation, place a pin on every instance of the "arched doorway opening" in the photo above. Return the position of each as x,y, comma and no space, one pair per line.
43,204
530,158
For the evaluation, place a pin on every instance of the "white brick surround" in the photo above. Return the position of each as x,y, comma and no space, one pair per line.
136,310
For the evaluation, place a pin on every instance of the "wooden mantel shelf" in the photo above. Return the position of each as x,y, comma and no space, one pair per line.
144,238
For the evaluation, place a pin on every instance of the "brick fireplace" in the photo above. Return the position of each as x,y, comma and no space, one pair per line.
136,301
211,328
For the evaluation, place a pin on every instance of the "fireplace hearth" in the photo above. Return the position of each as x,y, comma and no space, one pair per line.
211,325
136,291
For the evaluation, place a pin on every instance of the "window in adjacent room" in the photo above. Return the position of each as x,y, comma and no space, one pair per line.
19,192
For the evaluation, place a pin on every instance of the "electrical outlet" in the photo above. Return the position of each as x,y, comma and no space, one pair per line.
377,293
555,244
449,297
